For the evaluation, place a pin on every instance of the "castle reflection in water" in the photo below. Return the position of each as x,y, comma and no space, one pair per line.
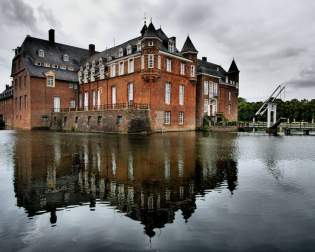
148,178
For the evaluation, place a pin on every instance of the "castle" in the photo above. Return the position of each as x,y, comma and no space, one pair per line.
143,85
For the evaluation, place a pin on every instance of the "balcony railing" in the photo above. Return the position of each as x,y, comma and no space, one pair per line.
117,106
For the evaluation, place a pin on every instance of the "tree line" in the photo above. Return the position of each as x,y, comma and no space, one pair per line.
298,110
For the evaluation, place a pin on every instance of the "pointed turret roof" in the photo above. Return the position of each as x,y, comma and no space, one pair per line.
189,46
150,32
144,28
233,68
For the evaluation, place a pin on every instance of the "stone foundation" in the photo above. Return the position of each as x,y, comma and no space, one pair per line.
109,121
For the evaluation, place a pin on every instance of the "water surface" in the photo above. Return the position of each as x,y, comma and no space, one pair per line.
165,192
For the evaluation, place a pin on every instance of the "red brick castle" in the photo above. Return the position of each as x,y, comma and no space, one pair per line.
144,84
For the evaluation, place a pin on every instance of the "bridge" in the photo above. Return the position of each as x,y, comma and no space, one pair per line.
282,125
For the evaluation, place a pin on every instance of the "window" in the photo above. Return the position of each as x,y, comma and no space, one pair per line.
113,95
50,81
159,62
168,93
72,104
121,68
65,57
168,65
171,46
85,76
192,71
129,49
121,52
229,95
181,94
92,75
131,65
150,61
206,103
142,62
46,64
63,67
182,68
113,70
150,43
54,66
139,46
167,117
41,53
210,89
99,120
205,87
86,101
102,72
215,89
229,108
130,92
25,101
181,118
94,98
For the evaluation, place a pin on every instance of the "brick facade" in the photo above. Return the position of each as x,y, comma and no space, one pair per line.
6,107
84,80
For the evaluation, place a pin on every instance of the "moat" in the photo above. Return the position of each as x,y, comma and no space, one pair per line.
190,191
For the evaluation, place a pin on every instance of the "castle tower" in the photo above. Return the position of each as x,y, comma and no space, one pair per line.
190,52
150,45
233,72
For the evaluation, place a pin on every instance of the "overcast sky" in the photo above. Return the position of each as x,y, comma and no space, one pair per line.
272,41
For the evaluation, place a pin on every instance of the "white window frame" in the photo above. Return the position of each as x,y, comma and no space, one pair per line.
167,96
181,117
94,98
205,105
113,70
114,95
129,49
181,95
65,57
131,65
167,117
159,61
168,65
86,100
171,46
121,52
182,68
150,60
215,89
142,62
72,104
98,97
102,71
229,108
192,71
230,96
139,46
130,92
150,43
50,81
211,89
121,67
41,53
206,87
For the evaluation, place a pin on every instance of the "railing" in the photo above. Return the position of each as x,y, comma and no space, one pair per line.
291,125
117,106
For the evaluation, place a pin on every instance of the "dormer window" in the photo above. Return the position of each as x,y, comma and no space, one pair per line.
93,63
109,58
150,43
37,63
63,67
100,61
54,66
65,57
139,46
41,53
46,64
70,68
87,65
121,52
129,49
171,47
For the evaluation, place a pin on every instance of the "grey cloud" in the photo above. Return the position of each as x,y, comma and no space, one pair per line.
306,79
49,16
17,13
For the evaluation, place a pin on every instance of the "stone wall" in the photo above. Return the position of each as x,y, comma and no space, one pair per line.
109,121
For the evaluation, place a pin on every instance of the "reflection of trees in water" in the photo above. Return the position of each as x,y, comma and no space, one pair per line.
147,178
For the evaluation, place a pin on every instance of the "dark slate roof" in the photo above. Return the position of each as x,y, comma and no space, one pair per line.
114,51
189,46
150,32
144,28
210,68
161,34
53,55
7,93
233,68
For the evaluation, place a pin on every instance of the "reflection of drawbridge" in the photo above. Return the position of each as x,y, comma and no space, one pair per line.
271,107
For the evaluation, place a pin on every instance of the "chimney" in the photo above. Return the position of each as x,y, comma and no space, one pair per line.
204,59
51,35
91,49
